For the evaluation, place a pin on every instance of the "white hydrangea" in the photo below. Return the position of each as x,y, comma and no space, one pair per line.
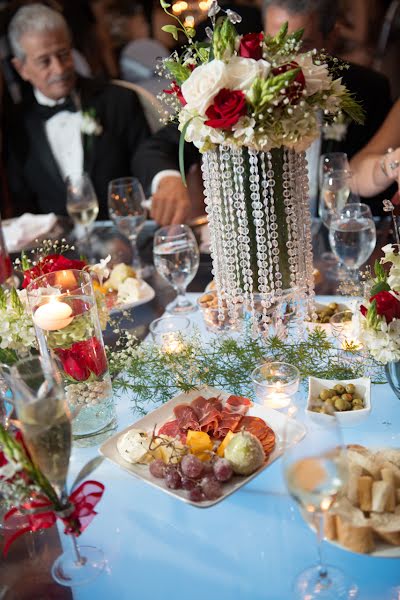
16,327
383,343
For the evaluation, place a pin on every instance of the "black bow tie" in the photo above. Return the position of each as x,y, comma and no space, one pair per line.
47,112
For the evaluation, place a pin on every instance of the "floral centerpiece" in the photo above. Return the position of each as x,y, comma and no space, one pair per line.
253,104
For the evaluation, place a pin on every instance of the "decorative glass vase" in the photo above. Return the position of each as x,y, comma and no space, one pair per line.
260,228
67,326
392,371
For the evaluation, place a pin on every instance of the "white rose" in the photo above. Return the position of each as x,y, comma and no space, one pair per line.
241,72
317,76
200,89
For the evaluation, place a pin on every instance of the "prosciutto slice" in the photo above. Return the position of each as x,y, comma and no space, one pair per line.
208,412
186,417
235,408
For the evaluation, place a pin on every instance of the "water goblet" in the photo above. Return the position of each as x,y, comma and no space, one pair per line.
176,258
125,205
352,235
82,204
315,471
43,416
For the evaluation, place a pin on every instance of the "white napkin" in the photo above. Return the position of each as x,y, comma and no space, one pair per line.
20,232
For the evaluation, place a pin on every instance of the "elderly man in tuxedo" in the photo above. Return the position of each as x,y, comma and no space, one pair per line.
318,18
66,123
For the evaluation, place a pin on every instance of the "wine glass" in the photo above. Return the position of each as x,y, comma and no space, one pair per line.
352,235
125,205
43,416
82,203
176,258
333,161
315,471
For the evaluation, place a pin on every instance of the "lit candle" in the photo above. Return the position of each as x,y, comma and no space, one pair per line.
65,279
276,398
172,344
53,315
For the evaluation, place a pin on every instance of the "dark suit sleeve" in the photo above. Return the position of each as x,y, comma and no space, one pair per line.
161,152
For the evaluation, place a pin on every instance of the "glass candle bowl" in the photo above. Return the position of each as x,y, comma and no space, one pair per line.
342,330
217,319
168,332
275,383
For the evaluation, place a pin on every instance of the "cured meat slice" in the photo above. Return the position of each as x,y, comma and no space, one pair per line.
186,417
170,428
261,430
234,409
208,412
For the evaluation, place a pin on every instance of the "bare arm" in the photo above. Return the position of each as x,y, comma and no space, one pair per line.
373,167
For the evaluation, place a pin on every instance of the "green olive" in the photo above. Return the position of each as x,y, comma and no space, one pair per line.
358,402
350,388
329,402
325,394
342,405
316,409
333,306
335,398
325,319
357,407
347,397
339,388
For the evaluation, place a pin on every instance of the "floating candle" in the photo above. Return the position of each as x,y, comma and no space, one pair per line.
53,315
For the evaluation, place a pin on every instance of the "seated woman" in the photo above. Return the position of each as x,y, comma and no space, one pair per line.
376,166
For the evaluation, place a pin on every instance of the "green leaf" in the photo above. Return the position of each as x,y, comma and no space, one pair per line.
172,29
224,38
24,262
372,315
16,302
179,72
381,286
352,108
164,4
380,272
190,32
3,299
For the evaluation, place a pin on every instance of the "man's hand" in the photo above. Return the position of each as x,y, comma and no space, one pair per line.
171,203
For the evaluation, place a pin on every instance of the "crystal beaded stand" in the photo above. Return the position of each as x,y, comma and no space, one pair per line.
260,229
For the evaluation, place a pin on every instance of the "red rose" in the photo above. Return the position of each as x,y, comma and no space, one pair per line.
250,46
83,358
363,310
295,89
227,109
50,264
387,305
175,90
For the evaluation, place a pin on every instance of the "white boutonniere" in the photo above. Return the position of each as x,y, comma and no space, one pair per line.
90,125
337,129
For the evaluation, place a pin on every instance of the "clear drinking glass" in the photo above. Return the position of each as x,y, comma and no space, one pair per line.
125,205
315,471
333,161
82,203
45,422
352,235
176,258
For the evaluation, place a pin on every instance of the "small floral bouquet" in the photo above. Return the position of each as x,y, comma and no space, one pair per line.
254,90
377,323
32,502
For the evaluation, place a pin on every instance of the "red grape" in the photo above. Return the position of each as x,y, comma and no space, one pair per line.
211,487
222,469
157,468
191,466
172,478
188,483
196,494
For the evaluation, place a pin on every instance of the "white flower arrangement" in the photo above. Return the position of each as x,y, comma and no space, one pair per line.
254,90
89,124
377,323
17,333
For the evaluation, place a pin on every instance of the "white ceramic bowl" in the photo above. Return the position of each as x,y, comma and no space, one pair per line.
311,325
347,418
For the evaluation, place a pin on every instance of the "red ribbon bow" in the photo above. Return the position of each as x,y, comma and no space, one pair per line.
33,516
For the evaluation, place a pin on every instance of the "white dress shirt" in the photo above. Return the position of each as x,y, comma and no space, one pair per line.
63,132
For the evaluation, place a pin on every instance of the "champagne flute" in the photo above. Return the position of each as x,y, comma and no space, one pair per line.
331,162
43,416
315,471
352,235
176,258
125,205
82,203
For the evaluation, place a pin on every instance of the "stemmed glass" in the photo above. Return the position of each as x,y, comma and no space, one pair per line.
331,162
125,205
43,416
176,258
315,471
352,235
82,203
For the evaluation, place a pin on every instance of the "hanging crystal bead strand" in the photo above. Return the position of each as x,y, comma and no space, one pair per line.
307,238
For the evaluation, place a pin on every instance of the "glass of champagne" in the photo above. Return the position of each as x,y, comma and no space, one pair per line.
82,203
333,161
315,470
44,419
125,205
352,235
176,258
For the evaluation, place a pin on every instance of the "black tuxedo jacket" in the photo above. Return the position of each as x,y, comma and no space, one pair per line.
35,181
370,88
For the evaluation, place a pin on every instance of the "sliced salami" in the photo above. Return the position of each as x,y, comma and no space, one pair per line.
261,430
